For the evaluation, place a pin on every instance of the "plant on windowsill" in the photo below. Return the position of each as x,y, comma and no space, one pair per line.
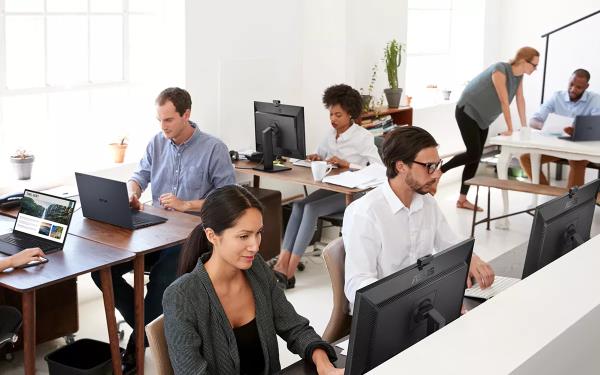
393,59
118,150
22,163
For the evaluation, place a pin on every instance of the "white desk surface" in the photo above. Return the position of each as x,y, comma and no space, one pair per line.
542,142
500,335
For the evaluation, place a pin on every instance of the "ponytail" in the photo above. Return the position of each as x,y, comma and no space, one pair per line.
195,245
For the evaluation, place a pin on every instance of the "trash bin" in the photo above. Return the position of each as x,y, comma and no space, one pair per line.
85,356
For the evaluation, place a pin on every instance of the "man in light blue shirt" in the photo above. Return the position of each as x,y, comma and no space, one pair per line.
575,101
182,165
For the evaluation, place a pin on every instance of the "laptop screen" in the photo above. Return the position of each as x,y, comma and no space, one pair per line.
44,216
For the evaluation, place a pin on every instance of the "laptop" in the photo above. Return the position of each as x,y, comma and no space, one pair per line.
107,200
43,221
585,128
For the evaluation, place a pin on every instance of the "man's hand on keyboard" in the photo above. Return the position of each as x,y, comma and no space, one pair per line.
170,201
481,272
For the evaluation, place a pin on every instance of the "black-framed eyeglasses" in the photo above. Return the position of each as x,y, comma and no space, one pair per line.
431,167
532,64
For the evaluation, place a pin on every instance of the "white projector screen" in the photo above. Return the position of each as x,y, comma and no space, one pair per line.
576,46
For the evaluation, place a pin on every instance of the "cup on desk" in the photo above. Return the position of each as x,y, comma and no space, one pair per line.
320,169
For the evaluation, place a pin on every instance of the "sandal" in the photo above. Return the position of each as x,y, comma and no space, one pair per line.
467,205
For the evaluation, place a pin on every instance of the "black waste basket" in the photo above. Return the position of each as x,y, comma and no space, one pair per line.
83,357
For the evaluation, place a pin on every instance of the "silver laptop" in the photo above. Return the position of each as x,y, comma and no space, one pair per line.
585,128
43,222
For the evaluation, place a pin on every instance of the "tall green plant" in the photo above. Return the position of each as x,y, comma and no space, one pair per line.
393,59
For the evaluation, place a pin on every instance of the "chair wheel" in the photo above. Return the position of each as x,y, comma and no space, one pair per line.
301,267
9,357
121,334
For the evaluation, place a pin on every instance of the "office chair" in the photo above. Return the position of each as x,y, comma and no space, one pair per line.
10,323
340,320
155,331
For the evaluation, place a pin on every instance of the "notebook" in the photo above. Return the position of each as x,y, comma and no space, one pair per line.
43,222
500,284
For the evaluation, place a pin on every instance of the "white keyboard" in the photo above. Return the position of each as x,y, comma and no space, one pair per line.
500,284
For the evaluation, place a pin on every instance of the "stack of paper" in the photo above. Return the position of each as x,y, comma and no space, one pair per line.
367,177
555,124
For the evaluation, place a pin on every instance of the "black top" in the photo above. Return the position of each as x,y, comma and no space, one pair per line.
250,352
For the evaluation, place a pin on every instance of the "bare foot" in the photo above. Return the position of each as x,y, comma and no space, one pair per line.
467,205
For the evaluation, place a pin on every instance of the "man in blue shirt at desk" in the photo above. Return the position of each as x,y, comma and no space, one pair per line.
183,165
575,101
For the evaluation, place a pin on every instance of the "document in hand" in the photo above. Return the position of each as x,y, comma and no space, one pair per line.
555,124
364,178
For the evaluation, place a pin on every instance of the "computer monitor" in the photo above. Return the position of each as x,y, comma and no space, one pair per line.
396,312
560,225
279,131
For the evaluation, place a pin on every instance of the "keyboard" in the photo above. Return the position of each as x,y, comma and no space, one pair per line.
24,243
500,284
306,163
142,219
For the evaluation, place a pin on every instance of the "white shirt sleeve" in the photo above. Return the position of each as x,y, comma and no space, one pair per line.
363,247
368,152
323,149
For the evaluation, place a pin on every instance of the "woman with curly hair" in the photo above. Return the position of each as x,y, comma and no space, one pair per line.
346,145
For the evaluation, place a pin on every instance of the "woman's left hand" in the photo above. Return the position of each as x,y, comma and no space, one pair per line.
507,132
339,162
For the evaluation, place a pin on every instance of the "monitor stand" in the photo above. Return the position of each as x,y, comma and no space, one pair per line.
267,144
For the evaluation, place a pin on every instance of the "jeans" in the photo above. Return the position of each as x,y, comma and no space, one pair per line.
303,220
163,271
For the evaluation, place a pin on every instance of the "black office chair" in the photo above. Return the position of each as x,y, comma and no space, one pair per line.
10,323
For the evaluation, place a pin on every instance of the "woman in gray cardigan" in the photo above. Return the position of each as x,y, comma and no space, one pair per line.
223,314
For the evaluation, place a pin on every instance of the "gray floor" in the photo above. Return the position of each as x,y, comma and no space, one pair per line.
313,283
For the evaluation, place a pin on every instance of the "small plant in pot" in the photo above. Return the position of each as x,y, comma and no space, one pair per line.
118,150
366,98
393,60
22,163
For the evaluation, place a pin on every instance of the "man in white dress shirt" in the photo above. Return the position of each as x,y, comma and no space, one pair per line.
399,222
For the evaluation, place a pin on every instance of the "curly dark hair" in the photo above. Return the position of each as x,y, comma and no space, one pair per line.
347,97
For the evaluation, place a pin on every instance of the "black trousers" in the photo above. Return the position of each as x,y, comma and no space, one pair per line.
474,138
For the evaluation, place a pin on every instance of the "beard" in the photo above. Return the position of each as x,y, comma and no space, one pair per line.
419,188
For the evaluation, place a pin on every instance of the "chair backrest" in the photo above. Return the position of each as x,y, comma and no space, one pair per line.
155,331
339,322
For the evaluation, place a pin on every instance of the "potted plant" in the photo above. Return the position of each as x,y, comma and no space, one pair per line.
23,163
393,59
118,150
366,98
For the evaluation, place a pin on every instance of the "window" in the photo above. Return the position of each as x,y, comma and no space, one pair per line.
76,75
444,46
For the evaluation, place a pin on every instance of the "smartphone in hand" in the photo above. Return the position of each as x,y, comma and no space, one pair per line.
33,263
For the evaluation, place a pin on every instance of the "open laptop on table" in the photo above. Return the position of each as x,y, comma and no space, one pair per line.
107,200
585,128
43,221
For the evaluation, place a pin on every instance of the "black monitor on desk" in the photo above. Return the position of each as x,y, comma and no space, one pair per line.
279,131
560,225
396,312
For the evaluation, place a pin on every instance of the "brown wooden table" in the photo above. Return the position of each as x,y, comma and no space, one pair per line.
298,175
79,256
140,242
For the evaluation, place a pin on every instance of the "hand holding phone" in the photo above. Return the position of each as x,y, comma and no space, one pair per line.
33,263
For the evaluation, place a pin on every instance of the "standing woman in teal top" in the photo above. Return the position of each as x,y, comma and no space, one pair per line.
486,97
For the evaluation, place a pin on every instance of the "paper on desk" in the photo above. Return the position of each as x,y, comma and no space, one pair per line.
64,191
344,346
366,176
555,124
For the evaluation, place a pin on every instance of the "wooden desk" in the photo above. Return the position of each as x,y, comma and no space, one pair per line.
79,256
140,242
298,175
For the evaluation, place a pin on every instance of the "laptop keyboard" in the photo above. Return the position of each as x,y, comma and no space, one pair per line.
26,242
141,219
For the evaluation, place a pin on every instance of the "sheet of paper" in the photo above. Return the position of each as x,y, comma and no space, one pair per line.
64,191
372,173
555,124
344,346
500,284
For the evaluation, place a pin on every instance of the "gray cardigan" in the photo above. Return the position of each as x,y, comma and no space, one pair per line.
200,338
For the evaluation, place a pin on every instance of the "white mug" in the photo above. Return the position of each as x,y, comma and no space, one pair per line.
320,169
